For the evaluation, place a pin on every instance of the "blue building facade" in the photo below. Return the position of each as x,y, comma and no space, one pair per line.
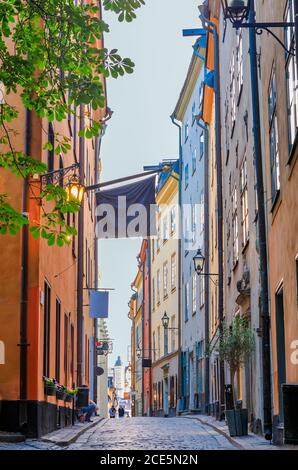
192,216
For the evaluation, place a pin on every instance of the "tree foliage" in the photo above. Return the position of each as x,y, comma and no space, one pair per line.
49,56
236,343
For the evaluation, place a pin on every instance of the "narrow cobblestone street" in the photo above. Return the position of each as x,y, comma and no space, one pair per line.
142,434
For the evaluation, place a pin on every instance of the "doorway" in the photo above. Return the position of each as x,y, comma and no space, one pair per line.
280,348
166,397
191,383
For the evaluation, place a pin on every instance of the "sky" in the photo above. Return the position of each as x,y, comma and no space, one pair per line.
140,131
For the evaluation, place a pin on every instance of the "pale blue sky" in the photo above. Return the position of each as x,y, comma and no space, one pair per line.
140,131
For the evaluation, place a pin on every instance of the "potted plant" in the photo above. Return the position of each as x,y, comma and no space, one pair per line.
60,392
236,346
70,394
49,386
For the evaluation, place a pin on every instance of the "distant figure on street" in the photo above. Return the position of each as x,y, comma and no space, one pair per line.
89,410
112,412
121,412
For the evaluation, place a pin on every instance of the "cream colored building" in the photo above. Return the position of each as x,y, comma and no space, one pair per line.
102,380
165,299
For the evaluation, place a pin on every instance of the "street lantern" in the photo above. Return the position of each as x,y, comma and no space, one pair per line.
199,262
75,190
235,10
165,321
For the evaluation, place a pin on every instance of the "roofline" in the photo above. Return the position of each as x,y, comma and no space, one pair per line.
188,85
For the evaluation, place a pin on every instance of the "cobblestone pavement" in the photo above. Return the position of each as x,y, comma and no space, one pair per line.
140,433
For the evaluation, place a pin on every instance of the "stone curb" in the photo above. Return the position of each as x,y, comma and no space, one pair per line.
63,442
12,437
220,431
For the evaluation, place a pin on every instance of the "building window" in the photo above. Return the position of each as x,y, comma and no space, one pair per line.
233,92
194,293
173,271
165,235
186,175
158,236
173,220
154,346
202,291
66,347
235,227
173,331
193,222
72,351
158,286
291,75
201,145
58,340
158,341
240,62
186,301
186,131
153,293
46,330
273,138
165,280
202,211
194,160
193,113
152,248
166,341
244,201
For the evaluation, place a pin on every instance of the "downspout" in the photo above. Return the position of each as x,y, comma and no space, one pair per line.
264,294
149,324
96,270
24,287
213,30
206,249
179,264
80,261
143,333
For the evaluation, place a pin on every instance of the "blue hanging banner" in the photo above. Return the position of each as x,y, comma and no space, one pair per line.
99,304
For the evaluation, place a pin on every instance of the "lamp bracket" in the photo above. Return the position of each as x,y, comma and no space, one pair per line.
54,176
261,27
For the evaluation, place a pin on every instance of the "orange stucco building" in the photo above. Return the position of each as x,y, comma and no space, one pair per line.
45,328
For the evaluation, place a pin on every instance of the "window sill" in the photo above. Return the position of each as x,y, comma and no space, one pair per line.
245,246
235,264
293,148
194,313
239,95
173,289
275,201
165,297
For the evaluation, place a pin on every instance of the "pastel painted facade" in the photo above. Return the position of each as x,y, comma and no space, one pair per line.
279,104
102,380
165,299
192,298
44,290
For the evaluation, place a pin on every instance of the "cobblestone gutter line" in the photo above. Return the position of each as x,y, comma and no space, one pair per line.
220,431
67,436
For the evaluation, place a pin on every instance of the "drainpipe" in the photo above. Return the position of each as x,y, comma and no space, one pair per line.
179,387
296,27
206,249
214,31
149,324
80,261
107,117
24,288
264,294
